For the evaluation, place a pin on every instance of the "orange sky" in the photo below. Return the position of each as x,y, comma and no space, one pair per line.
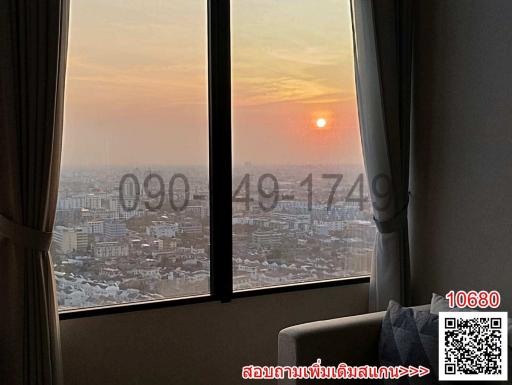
137,87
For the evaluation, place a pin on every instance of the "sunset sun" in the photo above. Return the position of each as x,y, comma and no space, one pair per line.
321,122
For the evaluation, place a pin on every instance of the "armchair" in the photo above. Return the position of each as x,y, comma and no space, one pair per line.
353,340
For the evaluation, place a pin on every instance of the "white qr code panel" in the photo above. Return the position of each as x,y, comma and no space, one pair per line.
473,346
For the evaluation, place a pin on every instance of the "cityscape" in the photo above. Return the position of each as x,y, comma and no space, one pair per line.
133,222
129,234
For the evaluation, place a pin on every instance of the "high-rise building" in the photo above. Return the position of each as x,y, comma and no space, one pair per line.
115,228
69,239
94,227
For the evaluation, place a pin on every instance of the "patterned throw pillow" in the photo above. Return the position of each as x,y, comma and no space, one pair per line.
440,303
410,337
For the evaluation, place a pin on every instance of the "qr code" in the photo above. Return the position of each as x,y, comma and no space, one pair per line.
473,346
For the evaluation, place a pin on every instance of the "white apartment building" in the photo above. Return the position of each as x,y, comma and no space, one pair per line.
266,237
69,239
110,249
335,225
160,229
92,202
94,227
68,203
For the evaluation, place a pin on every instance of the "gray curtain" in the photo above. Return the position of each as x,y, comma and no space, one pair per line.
33,42
383,63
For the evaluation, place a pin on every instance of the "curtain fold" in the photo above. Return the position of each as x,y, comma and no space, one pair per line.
382,32
33,45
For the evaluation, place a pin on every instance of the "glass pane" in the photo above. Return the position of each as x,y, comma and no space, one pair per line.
300,211
136,117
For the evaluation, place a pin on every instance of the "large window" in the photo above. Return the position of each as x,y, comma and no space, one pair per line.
147,169
136,129
301,212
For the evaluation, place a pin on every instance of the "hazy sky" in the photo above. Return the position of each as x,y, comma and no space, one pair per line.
137,86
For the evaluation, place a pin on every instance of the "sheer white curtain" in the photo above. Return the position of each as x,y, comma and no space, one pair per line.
383,65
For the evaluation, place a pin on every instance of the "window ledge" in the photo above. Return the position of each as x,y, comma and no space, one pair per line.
139,306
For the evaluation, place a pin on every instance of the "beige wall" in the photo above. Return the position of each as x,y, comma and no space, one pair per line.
194,344
461,210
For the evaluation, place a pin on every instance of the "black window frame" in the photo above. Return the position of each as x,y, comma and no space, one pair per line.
220,184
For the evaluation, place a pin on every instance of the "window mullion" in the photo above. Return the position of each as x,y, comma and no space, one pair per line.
219,92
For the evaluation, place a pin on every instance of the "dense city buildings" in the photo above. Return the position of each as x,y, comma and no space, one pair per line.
123,239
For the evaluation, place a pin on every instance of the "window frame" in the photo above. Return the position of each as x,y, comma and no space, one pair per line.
220,188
